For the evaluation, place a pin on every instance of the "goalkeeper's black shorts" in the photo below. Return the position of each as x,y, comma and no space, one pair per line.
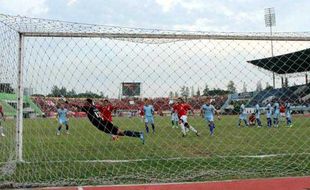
107,127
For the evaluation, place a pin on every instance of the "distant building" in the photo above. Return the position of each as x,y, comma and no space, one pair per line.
28,91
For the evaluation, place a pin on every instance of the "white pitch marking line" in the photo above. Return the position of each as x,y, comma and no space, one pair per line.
162,159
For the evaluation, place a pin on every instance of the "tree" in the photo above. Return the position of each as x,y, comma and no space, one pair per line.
244,89
218,91
71,93
206,90
186,92
63,91
182,91
259,86
170,94
176,94
6,88
192,91
198,92
55,92
231,87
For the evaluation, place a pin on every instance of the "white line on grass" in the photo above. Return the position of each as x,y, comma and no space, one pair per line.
265,155
164,159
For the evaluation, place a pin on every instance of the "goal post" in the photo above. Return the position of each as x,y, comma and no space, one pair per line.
20,100
47,61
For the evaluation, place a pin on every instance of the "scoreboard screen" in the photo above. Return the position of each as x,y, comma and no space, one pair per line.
131,88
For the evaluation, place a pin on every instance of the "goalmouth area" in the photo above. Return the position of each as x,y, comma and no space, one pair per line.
45,61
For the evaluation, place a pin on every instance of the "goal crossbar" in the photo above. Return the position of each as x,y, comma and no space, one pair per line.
165,36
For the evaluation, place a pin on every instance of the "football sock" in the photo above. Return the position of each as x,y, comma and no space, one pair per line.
146,128
212,126
193,129
183,129
132,133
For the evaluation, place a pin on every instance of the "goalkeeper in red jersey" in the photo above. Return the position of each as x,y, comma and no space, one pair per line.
106,110
106,126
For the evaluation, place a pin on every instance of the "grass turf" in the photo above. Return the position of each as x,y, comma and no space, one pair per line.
76,159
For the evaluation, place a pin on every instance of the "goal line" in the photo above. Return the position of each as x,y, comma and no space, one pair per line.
163,159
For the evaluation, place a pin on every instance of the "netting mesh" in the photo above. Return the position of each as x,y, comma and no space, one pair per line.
79,61
8,63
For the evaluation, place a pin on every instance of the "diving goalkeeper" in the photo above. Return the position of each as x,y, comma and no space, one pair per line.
106,126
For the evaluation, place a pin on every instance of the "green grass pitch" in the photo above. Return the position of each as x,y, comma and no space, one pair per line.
88,156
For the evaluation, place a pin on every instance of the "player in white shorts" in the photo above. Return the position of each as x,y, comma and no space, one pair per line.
181,108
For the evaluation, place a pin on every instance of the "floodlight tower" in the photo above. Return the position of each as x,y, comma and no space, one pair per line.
270,21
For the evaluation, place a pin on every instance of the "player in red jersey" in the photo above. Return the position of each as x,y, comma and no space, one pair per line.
181,108
282,110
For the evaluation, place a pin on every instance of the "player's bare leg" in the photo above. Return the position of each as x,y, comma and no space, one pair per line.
193,129
186,125
183,130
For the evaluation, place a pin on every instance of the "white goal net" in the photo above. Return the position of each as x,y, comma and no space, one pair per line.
261,104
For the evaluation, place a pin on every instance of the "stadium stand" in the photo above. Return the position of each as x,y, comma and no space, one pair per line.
291,94
9,103
48,105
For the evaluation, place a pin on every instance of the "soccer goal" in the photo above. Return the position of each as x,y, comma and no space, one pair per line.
245,98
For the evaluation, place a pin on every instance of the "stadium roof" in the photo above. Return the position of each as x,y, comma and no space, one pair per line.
294,62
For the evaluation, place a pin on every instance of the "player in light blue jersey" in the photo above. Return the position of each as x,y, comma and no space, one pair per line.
174,118
268,115
288,115
243,116
148,115
257,115
62,115
276,113
208,111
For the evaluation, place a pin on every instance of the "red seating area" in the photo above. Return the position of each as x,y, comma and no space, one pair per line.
48,105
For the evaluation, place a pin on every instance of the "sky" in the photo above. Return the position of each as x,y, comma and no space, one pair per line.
204,15
188,15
